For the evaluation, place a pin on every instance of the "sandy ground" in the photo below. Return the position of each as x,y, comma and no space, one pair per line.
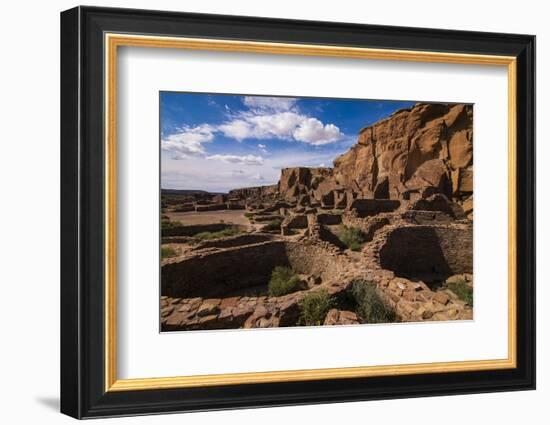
207,217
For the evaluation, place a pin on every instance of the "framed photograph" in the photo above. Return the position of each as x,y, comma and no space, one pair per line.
261,212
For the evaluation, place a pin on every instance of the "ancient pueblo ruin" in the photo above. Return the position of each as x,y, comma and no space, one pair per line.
385,235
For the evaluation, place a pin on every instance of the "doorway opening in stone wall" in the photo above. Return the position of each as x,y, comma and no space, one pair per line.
299,211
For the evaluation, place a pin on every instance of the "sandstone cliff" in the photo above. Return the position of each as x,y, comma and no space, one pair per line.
425,148
412,154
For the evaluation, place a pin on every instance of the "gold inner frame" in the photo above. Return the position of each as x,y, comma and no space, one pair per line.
113,41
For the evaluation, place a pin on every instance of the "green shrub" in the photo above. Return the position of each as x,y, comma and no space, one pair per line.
206,236
462,290
314,307
370,306
352,237
273,225
168,252
166,224
249,215
283,281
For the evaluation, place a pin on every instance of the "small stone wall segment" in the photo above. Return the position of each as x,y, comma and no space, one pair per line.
370,207
439,251
329,219
217,273
234,241
316,259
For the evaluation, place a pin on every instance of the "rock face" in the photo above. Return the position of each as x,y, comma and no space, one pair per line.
425,148
295,183
412,154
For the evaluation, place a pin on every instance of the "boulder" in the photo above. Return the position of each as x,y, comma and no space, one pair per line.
341,317
433,174
209,307
441,297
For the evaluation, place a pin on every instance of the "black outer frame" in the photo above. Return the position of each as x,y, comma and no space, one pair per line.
82,219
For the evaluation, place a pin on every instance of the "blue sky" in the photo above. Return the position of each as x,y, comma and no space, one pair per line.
218,142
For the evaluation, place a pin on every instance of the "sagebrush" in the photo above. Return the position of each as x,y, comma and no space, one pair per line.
462,290
352,237
205,236
370,306
168,252
283,281
314,307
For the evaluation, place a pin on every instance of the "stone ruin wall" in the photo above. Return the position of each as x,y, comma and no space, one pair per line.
234,241
253,192
315,259
213,274
210,274
434,251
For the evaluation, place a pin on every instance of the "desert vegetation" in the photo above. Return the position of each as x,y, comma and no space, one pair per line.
205,236
315,307
369,305
168,252
283,281
273,225
352,237
462,290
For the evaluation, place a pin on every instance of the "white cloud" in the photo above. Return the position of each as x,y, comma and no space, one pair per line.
280,125
258,177
272,103
236,129
188,141
238,159
314,132
266,118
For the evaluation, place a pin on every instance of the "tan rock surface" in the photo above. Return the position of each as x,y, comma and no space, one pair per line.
413,148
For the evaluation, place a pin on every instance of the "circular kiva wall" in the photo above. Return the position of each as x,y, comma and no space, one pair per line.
217,273
436,252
